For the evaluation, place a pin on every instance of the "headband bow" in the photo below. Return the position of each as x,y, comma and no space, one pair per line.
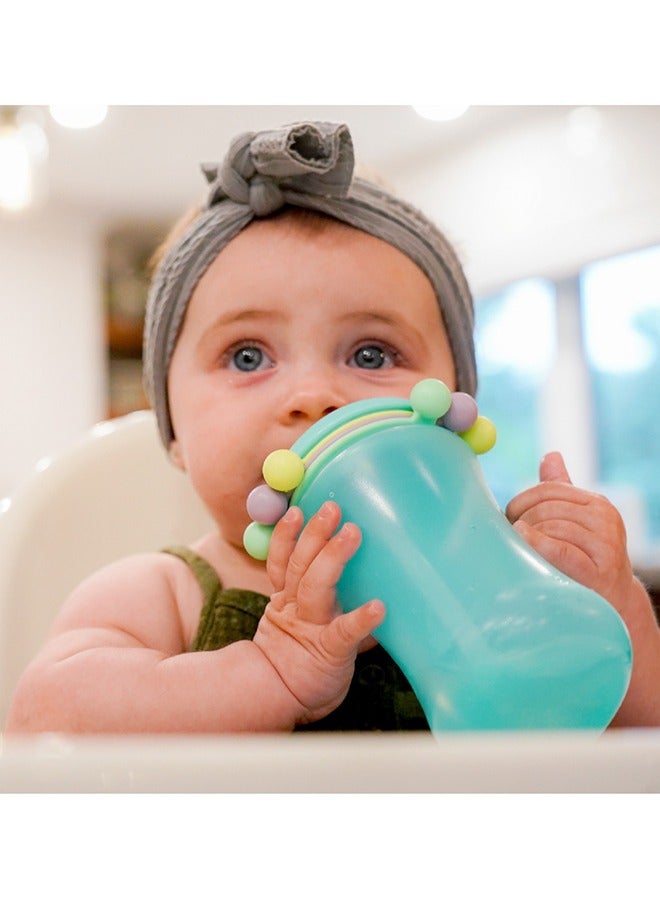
310,158
307,165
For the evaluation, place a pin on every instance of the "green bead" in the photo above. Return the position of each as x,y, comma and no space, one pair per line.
283,470
481,436
430,399
256,540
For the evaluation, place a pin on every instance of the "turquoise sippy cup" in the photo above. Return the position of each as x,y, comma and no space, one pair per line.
489,635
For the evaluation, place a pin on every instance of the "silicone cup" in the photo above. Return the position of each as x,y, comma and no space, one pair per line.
489,634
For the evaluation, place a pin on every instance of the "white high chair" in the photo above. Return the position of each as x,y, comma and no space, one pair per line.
111,494
114,493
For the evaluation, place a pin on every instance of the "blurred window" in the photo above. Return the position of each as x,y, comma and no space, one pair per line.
621,327
590,343
515,340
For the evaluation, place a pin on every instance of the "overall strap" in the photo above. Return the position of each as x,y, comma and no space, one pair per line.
228,614
203,571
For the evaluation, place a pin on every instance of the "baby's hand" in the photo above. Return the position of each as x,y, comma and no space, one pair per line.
583,535
579,532
306,638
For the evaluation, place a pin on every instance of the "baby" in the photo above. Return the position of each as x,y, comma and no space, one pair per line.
297,289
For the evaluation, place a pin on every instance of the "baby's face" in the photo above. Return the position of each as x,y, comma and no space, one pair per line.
288,324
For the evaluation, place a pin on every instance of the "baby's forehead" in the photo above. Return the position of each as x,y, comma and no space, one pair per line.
273,273
306,223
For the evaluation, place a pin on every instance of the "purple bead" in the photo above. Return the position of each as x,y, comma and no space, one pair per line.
462,413
266,506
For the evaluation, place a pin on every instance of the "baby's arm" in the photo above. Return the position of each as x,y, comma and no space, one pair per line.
116,660
582,535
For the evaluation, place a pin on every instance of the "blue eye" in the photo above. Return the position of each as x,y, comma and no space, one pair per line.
248,359
371,356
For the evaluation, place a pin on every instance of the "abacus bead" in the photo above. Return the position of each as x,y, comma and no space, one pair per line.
265,505
256,540
462,414
283,470
430,399
481,436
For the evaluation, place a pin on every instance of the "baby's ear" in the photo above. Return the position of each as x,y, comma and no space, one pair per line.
176,456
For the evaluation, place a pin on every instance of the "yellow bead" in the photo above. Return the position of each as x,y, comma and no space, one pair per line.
481,436
283,470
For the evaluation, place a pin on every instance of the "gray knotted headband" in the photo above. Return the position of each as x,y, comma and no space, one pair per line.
308,165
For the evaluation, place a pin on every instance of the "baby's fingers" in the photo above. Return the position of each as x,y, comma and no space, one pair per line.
553,468
291,553
343,635
316,596
282,545
537,500
564,545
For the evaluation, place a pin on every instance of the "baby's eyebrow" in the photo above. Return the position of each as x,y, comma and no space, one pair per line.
367,317
400,324
370,316
231,317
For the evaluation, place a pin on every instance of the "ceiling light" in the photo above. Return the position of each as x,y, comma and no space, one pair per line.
35,140
78,116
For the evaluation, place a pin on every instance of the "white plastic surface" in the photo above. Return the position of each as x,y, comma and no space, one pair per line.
113,493
569,762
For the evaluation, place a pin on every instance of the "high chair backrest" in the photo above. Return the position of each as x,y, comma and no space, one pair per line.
112,494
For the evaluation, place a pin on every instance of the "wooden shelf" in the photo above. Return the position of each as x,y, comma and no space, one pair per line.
128,248
124,335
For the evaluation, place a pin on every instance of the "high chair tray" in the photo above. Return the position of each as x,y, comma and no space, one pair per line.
626,761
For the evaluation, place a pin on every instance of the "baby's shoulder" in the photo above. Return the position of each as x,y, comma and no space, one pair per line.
153,596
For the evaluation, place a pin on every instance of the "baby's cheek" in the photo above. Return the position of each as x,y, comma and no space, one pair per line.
224,497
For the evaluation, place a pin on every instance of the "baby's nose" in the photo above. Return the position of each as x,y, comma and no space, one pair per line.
311,399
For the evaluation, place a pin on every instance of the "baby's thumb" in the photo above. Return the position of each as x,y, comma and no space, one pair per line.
553,468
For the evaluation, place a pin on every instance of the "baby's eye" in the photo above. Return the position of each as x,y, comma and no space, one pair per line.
372,356
249,359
